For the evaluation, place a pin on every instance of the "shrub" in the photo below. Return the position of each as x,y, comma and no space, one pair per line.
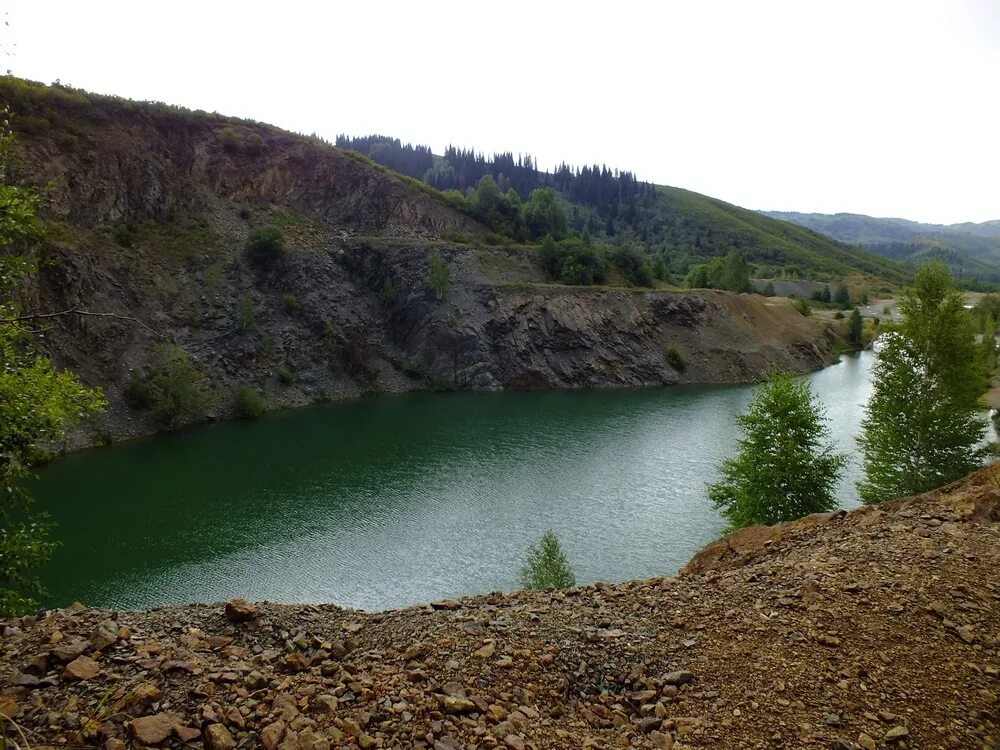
413,368
388,293
174,392
572,261
675,359
248,403
634,266
265,245
289,303
803,307
545,566
286,376
244,315
839,315
438,276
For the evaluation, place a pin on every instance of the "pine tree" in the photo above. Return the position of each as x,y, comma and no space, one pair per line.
786,467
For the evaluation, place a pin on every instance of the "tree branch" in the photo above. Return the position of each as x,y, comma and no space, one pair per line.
38,316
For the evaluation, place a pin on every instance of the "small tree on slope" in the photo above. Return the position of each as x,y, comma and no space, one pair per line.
786,467
546,567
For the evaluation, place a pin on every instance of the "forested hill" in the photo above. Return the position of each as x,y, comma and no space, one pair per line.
682,227
972,251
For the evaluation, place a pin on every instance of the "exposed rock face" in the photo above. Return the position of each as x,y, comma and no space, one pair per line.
155,210
875,628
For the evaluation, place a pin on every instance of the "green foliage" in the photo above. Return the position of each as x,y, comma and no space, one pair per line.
636,267
855,331
768,290
803,307
38,403
388,293
546,567
731,272
572,261
675,359
265,245
438,277
286,376
543,216
842,297
921,427
174,391
289,303
248,403
786,467
244,315
822,295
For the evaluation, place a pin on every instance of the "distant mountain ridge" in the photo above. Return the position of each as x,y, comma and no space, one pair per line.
971,250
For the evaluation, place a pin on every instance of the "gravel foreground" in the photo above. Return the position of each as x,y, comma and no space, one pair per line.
877,628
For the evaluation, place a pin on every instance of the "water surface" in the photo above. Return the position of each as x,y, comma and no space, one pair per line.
389,501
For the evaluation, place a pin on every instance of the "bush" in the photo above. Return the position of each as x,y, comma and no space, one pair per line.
289,303
634,266
803,307
546,567
438,276
244,315
572,261
286,376
248,403
388,294
675,360
174,392
265,245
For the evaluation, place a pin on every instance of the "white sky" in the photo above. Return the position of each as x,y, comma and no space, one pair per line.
883,107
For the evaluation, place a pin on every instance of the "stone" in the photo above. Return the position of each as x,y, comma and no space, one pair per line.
679,677
152,730
186,733
104,635
454,704
81,668
447,742
271,735
661,740
486,651
69,651
897,734
217,737
309,740
866,742
37,666
8,708
240,610
514,742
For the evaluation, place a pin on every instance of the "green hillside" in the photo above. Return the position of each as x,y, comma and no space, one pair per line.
972,251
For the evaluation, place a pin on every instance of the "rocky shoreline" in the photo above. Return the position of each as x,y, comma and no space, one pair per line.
876,628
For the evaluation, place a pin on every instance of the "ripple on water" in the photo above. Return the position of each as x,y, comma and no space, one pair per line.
390,501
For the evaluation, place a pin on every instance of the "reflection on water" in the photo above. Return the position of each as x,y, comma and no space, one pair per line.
395,500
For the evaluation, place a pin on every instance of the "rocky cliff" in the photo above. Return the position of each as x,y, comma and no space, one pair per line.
150,209
876,628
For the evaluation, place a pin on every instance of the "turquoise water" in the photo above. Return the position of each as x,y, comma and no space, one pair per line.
390,501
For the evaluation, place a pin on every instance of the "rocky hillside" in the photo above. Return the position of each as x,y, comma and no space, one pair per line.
877,628
150,209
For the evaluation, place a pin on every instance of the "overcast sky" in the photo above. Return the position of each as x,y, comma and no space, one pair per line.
889,108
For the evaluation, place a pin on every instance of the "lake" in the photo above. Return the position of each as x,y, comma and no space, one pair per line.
394,500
